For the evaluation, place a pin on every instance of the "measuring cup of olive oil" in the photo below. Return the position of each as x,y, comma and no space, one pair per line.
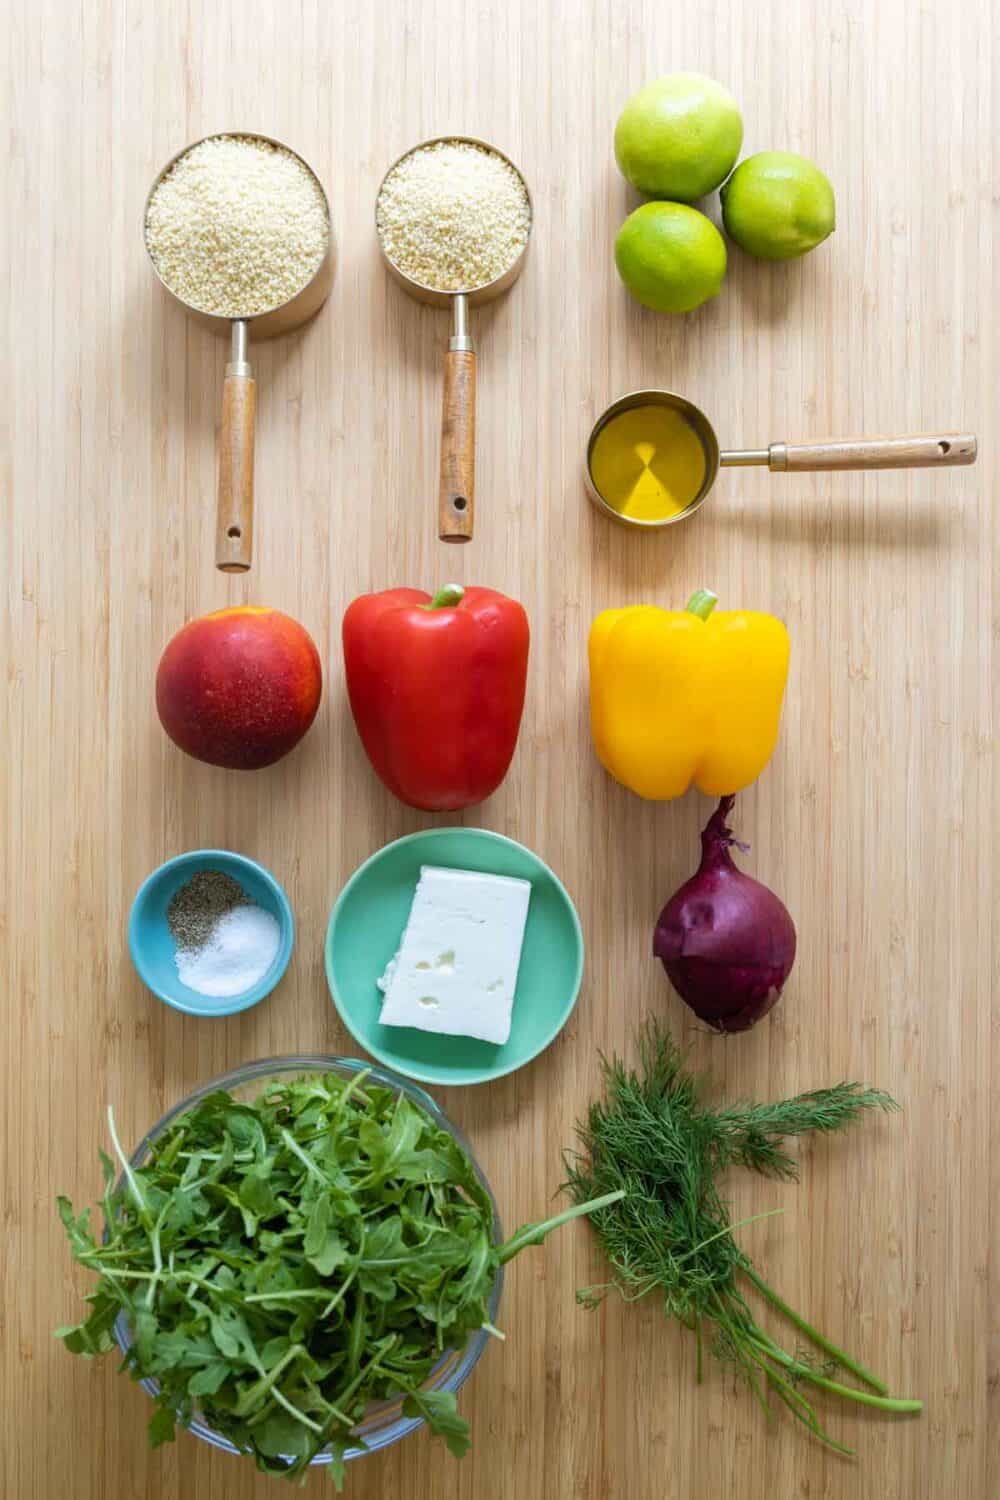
653,457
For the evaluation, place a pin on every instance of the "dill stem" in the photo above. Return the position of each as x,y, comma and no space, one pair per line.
803,1372
769,1213
760,1349
803,1411
849,1363
745,1354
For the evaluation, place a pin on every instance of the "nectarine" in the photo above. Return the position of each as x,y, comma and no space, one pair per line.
240,687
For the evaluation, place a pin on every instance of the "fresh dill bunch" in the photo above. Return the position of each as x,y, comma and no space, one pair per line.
652,1137
750,1135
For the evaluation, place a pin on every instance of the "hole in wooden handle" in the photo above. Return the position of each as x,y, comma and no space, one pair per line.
459,503
235,533
945,447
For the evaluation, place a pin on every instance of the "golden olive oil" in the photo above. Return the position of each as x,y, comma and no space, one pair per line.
648,463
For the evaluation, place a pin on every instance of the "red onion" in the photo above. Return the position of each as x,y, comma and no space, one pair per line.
726,941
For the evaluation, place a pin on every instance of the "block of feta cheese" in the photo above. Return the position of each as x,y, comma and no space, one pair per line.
456,969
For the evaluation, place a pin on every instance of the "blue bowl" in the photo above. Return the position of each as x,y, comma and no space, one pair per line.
152,946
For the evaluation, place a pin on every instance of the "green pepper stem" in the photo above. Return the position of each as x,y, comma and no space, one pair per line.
446,598
701,603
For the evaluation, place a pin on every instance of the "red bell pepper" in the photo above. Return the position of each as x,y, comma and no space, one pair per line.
436,689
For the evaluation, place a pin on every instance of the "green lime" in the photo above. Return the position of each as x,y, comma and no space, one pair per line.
679,137
778,205
670,256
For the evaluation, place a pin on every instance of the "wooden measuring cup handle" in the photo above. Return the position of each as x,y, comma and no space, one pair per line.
876,453
234,526
456,496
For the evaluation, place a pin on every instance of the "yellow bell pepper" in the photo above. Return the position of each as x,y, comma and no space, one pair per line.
686,696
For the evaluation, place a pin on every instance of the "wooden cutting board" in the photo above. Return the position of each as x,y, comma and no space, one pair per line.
877,819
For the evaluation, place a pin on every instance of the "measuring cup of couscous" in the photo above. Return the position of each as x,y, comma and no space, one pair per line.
453,217
238,230
653,456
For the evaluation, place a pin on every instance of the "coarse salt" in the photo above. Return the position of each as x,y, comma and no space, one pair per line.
237,226
242,947
453,216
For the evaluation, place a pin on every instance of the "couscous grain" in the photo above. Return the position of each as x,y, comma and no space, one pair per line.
453,216
237,226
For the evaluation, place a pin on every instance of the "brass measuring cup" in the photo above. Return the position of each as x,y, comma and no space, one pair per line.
456,490
234,520
925,451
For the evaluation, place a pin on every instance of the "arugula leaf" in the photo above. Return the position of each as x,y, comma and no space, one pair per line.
323,1246
256,1193
145,1328
78,1230
337,1447
162,1428
206,1381
282,1436
439,1410
286,1263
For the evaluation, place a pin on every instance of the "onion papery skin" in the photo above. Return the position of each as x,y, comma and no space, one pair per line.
726,941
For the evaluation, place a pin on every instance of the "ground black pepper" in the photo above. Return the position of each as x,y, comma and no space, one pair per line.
197,906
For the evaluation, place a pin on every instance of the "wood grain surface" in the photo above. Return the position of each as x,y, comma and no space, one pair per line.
876,820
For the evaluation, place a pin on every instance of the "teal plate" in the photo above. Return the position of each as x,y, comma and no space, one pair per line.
368,921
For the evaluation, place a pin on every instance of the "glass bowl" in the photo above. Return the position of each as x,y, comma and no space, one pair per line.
384,1423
